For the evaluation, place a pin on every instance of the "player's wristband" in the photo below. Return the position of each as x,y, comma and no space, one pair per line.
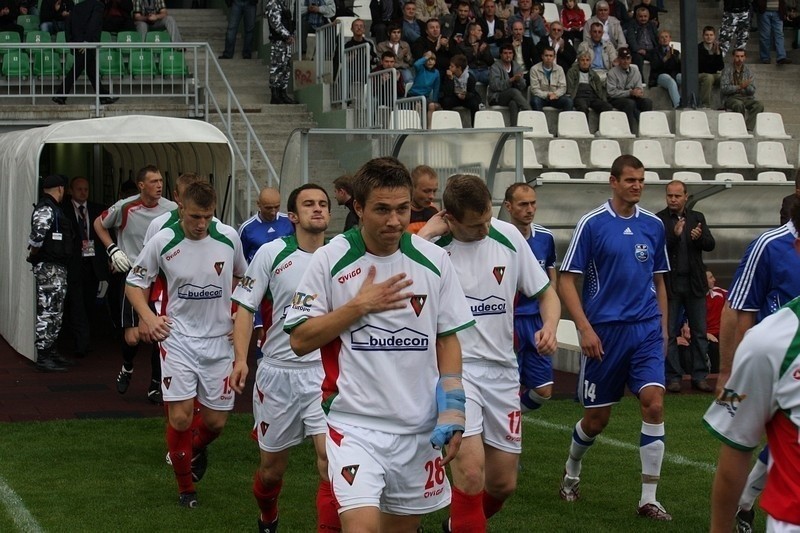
451,405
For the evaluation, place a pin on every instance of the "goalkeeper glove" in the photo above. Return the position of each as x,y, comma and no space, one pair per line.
451,404
119,261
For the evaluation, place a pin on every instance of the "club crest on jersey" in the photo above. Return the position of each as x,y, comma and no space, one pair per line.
218,267
730,400
498,272
349,473
374,338
167,381
642,252
418,302
796,374
263,427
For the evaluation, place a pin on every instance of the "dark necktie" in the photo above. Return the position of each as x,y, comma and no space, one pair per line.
82,221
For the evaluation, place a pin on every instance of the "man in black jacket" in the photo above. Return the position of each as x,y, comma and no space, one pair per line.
709,64
687,237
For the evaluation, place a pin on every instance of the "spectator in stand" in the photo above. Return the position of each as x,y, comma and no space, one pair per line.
626,90
402,52
665,68
117,16
771,14
476,50
411,27
425,183
455,26
585,87
735,27
505,10
383,12
549,83
458,87
313,15
573,18
382,88
28,7
427,82
715,302
565,53
619,10
493,27
150,15
612,28
790,201
343,192
435,43
532,21
737,87
523,46
53,15
431,9
507,84
604,55
651,9
8,17
642,37
709,64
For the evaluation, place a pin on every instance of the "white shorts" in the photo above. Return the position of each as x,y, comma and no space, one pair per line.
197,367
776,526
287,405
399,474
493,405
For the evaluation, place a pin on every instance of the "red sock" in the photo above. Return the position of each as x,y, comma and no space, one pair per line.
327,509
202,437
179,444
491,505
266,498
466,513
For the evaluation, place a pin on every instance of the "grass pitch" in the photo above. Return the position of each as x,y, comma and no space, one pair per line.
110,475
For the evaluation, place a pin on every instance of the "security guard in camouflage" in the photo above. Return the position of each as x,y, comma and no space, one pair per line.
281,37
50,245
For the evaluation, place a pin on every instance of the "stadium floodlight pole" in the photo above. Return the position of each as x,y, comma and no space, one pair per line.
689,73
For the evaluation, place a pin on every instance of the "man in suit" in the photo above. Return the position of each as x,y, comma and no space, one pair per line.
565,52
88,264
524,49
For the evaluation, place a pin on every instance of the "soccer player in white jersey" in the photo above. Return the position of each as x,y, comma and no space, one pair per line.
620,250
130,219
286,396
199,259
383,307
493,263
535,369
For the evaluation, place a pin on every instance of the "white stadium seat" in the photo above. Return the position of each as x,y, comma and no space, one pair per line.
573,125
687,176
554,176
537,121
771,154
694,124
529,159
614,124
603,152
654,124
728,176
732,126
771,177
446,120
596,175
649,153
731,154
770,126
564,153
689,154
487,118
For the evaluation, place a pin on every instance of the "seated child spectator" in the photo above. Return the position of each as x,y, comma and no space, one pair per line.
573,18
427,82
458,87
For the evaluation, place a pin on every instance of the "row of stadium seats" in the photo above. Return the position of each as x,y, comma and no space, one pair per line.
37,36
111,62
683,175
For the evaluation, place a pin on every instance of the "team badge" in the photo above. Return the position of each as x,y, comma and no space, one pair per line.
796,374
264,427
418,302
349,473
260,394
642,252
499,272
218,267
167,381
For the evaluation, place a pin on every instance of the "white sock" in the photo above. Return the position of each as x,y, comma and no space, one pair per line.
755,482
581,442
651,452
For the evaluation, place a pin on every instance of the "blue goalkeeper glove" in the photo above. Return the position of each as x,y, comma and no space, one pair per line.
451,404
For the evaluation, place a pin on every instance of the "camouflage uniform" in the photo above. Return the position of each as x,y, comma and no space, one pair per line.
281,29
51,291
735,27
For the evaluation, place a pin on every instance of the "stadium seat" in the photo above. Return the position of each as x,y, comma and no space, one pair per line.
587,9
446,120
731,154
61,37
573,125
603,152
649,153
106,37
28,22
771,177
649,175
159,37
537,121
567,335
529,159
172,63
551,12
728,176
38,37
689,154
405,119
614,124
46,63
597,175
694,124
128,37
554,176
564,153
109,61
489,119
8,37
771,154
16,64
654,124
770,126
141,63
732,126
346,22
362,11
676,45
687,176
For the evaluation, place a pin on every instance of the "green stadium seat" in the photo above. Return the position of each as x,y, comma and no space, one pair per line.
128,37
141,63
38,36
16,64
46,63
110,63
106,37
61,37
158,37
8,37
28,22
172,63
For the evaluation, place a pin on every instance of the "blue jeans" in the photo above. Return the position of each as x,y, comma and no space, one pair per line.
671,85
239,9
481,75
564,103
770,26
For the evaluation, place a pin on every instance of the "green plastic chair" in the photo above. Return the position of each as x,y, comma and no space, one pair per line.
128,37
110,63
173,63
38,36
158,37
8,37
106,37
46,63
141,63
61,37
28,22
16,64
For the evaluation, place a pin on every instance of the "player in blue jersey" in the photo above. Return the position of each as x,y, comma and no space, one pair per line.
266,225
620,251
535,370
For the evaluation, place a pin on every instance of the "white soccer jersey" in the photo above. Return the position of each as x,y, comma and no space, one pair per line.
763,395
491,271
381,372
161,222
199,277
275,273
131,218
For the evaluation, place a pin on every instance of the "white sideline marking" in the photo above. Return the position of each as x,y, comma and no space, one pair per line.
673,458
15,507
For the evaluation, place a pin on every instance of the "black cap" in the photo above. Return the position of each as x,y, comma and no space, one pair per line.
624,51
53,180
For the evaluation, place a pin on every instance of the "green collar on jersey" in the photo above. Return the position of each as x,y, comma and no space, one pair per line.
358,248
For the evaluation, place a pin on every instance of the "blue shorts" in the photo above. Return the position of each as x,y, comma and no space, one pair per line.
534,370
634,356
